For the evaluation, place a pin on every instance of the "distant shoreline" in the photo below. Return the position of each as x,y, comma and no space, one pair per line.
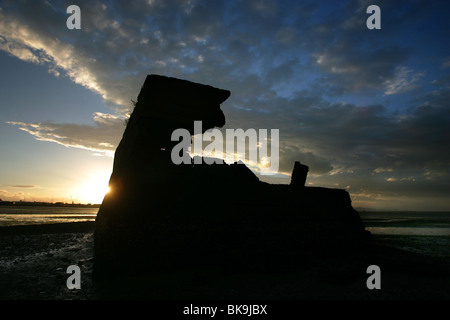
48,204
21,203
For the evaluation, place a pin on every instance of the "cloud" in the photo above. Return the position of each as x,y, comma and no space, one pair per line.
265,8
7,195
297,67
446,63
290,154
25,186
102,138
404,81
353,69
380,170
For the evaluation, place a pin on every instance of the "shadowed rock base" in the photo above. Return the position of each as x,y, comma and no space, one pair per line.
208,219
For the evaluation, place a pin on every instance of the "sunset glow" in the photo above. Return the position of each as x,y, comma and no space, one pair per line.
365,108
93,189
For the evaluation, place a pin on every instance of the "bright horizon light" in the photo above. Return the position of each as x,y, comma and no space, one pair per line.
93,189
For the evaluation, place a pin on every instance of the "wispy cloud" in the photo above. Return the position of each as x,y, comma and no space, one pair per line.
405,80
446,63
380,170
102,138
22,186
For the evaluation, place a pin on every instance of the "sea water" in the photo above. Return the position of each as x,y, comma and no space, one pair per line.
29,215
427,233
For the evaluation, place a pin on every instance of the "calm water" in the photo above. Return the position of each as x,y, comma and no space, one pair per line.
407,223
26,215
420,232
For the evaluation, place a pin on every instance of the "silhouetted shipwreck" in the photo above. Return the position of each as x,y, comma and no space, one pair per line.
165,217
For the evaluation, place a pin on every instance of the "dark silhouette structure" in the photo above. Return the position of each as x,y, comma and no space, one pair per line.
299,174
162,217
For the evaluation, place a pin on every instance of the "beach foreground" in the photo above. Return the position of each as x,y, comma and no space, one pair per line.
34,261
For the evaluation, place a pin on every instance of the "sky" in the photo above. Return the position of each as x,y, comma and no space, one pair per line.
367,110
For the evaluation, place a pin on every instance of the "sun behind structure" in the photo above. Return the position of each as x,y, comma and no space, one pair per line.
93,189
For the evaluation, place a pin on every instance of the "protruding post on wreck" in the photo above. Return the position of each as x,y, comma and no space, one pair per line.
298,177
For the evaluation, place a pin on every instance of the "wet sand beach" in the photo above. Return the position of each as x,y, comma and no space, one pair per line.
34,260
